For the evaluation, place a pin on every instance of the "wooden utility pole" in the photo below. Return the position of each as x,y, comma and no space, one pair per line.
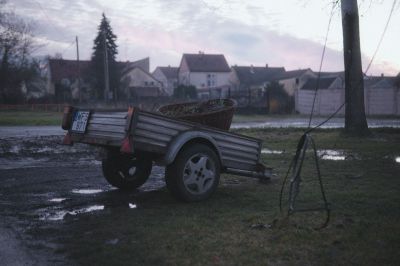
355,120
78,69
106,75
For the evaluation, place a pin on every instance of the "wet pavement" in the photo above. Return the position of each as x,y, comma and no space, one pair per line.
43,183
30,131
302,122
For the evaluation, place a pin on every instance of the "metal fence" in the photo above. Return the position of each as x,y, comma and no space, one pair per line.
32,107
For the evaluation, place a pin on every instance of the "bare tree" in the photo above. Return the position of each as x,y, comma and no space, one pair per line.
355,120
16,44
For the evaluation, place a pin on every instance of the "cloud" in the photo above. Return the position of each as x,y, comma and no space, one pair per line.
247,33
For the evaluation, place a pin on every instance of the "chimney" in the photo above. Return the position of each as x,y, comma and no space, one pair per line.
251,69
266,65
382,75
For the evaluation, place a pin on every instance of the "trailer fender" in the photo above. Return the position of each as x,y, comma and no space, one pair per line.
179,141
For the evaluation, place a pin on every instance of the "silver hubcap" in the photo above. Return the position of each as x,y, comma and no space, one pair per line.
198,174
128,173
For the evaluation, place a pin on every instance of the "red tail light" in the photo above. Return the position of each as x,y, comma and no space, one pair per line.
126,146
67,140
67,117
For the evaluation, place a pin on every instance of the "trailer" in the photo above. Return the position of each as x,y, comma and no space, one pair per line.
194,155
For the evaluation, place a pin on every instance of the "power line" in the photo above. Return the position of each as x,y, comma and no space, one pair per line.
68,47
321,62
47,18
382,36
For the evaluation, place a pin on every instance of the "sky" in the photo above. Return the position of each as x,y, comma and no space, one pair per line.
286,33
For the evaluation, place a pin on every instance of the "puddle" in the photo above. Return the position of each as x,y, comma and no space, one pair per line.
90,161
397,159
268,151
298,122
132,206
331,155
156,180
57,199
27,162
15,149
87,191
60,215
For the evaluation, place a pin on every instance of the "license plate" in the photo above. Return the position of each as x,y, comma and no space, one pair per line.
79,122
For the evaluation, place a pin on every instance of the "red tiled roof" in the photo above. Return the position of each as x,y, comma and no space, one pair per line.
61,68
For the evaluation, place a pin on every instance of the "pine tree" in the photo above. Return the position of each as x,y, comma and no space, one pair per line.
106,34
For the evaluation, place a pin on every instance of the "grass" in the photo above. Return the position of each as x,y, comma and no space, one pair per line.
25,118
364,227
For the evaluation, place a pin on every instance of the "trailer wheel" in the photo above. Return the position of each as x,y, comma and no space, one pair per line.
194,175
126,172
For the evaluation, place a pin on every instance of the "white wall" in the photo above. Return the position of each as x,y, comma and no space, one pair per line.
377,101
326,101
380,101
397,104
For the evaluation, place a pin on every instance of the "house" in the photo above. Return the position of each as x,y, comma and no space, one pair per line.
209,73
248,84
292,80
142,63
168,76
244,78
63,82
136,83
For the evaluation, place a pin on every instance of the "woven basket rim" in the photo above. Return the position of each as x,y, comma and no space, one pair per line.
224,109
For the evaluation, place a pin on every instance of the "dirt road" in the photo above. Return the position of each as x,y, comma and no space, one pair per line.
43,185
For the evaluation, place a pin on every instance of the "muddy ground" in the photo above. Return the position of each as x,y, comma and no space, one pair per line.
44,184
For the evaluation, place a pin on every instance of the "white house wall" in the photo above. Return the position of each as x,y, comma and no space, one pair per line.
233,80
290,85
199,80
159,75
184,73
138,78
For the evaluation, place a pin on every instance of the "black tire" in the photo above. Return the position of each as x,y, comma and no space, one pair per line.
194,175
126,172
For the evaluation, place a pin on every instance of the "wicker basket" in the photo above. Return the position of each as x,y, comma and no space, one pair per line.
216,113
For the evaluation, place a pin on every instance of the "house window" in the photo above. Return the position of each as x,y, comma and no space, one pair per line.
211,80
152,83
146,83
